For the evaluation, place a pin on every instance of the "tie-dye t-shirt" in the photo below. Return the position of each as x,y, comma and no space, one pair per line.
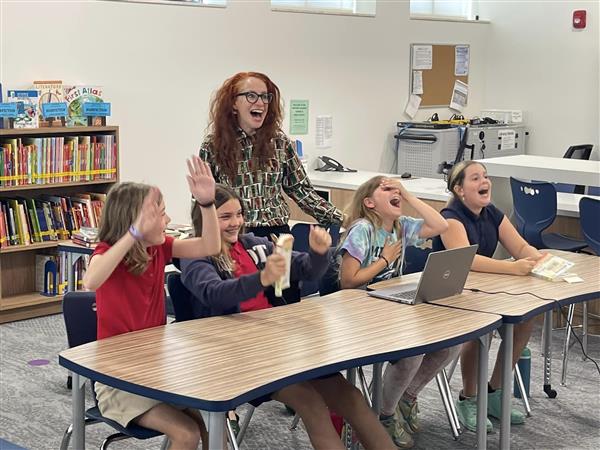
365,243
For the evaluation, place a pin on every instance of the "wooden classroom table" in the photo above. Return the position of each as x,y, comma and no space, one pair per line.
512,300
218,363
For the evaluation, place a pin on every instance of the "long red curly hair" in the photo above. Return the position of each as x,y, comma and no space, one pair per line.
223,123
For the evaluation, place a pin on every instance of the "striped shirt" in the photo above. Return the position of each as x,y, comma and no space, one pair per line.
261,188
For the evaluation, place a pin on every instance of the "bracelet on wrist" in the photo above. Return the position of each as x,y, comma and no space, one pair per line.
135,233
207,204
387,263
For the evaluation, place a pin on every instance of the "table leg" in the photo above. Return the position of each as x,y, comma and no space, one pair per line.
548,354
78,398
216,431
507,331
482,380
377,387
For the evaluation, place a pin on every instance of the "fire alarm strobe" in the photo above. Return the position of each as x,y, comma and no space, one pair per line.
579,19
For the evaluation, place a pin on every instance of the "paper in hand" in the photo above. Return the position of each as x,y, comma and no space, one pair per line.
283,247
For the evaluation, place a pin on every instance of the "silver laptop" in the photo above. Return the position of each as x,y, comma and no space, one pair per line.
444,275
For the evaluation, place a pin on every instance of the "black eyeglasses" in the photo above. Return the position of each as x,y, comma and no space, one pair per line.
253,97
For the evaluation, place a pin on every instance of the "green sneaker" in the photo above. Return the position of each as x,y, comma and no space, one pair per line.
410,413
399,435
495,408
467,414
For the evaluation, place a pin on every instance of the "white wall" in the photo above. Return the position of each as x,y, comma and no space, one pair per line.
537,62
160,64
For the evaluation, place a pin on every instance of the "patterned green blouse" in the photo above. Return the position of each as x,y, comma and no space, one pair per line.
262,188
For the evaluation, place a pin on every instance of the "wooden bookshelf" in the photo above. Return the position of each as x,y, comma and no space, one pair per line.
18,297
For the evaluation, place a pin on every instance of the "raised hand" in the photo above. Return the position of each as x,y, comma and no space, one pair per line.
319,240
200,180
149,218
391,252
273,271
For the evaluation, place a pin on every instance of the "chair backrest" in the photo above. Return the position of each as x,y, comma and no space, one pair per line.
589,218
582,151
415,258
79,313
181,298
300,231
593,190
534,204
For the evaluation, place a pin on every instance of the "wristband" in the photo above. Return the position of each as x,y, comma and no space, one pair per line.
387,263
206,205
135,233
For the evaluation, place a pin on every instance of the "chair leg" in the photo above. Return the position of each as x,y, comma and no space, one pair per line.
584,325
66,439
452,368
446,384
244,424
446,401
521,387
295,421
113,438
364,386
563,379
230,434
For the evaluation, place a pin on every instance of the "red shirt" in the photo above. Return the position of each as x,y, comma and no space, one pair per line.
127,302
244,265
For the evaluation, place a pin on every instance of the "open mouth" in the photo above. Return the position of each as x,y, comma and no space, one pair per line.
396,201
484,191
257,113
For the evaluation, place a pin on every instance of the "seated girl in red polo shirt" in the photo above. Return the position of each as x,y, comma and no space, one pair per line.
240,278
127,272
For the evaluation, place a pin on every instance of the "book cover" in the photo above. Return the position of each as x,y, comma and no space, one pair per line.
551,267
27,107
76,96
40,270
50,91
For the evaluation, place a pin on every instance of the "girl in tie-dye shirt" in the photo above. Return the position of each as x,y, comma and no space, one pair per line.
373,250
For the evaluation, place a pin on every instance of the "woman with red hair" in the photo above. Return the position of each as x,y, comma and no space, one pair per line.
247,151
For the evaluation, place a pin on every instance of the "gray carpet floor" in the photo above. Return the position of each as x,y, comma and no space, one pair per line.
35,403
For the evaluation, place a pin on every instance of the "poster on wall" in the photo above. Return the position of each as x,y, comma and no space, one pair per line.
324,131
298,117
461,60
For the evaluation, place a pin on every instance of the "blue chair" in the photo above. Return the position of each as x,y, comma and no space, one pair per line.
534,211
79,312
415,259
300,231
589,219
581,151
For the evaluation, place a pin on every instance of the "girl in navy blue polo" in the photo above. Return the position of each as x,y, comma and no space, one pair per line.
473,219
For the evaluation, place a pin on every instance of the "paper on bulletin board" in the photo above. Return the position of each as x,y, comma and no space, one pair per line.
298,117
422,57
412,106
461,60
324,136
507,139
417,82
460,94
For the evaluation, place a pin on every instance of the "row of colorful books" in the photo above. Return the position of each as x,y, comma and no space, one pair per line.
29,102
49,218
60,159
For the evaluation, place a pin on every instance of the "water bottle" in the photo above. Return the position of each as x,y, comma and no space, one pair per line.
524,364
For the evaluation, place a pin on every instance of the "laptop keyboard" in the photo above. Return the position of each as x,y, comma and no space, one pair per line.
406,295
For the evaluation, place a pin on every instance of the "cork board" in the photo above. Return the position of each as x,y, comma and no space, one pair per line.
438,82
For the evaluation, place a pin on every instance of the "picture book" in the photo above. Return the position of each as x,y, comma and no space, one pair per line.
76,96
27,107
551,267
48,92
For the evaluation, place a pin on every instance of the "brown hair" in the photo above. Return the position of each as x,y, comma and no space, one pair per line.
222,195
223,123
456,177
123,205
358,210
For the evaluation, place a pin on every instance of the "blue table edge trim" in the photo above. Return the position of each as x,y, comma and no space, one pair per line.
225,405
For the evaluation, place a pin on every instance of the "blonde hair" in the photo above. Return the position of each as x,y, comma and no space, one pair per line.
456,177
223,194
357,209
122,207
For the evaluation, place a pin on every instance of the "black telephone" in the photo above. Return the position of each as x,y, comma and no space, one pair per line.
331,165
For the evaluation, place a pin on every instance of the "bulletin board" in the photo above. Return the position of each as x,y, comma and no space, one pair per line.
438,81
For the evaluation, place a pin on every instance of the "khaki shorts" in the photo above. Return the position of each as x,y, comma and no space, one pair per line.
121,406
